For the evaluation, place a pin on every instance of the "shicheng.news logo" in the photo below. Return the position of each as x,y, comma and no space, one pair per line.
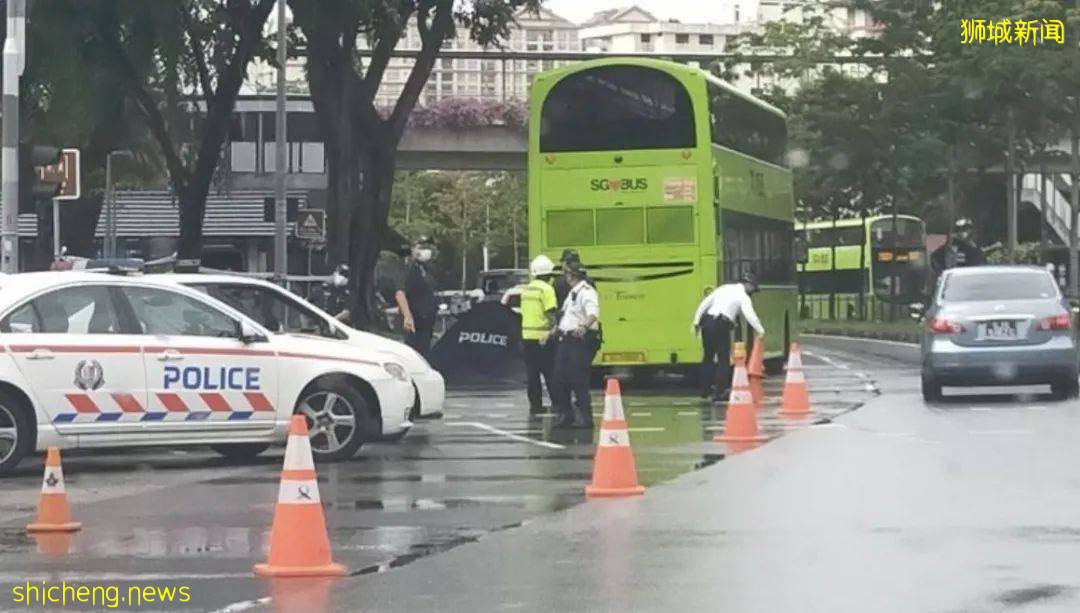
1020,32
618,185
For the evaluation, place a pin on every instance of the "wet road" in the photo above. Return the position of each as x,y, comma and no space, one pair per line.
170,518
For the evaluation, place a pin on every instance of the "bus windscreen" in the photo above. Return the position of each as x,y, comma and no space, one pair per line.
617,108
908,233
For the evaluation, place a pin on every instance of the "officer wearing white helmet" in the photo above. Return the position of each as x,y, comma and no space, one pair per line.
538,309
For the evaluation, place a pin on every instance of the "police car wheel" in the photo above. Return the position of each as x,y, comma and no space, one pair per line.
15,432
336,418
240,451
414,412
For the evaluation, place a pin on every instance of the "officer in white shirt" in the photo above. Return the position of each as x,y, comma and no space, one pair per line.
715,319
579,339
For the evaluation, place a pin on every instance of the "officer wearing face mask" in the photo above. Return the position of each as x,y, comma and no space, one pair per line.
416,297
334,296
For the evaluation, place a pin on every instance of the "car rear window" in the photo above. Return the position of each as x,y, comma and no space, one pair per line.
999,285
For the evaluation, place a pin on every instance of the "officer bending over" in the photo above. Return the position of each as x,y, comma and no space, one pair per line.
715,319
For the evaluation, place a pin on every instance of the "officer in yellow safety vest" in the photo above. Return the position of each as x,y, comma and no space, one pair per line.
538,309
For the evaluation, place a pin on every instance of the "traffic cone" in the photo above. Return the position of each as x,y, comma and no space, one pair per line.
740,421
756,366
53,513
755,369
614,471
299,546
796,400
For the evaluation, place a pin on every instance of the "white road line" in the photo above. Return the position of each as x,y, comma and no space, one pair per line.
688,413
647,429
244,605
510,435
980,409
641,414
1037,408
1001,432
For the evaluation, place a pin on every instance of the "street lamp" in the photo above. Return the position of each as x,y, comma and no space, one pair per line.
110,203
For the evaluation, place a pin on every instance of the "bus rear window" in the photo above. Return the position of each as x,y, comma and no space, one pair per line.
908,233
671,224
617,108
570,228
619,227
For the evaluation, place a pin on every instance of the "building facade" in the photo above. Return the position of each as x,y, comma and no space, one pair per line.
635,30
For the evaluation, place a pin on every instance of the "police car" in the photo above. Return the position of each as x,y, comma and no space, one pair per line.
95,360
283,312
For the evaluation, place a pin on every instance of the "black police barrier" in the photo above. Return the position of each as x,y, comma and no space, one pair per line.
483,346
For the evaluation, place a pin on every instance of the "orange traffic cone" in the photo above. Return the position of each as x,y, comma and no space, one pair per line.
740,421
614,471
299,546
796,400
755,369
53,513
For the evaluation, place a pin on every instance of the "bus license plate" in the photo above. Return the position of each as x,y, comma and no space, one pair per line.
628,356
998,331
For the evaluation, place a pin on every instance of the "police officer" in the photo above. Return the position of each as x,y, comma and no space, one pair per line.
562,287
960,250
578,333
715,319
416,297
538,309
334,295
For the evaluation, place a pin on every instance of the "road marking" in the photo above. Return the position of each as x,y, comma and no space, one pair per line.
648,429
980,409
495,415
1002,432
510,435
688,413
1037,408
641,414
244,605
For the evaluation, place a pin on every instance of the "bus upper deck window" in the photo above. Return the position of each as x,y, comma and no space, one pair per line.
617,108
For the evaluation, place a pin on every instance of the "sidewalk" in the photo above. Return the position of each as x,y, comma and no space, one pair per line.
886,510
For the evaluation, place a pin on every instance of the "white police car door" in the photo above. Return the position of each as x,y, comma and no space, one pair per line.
200,376
84,367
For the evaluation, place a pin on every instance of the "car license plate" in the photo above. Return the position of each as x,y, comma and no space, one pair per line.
998,331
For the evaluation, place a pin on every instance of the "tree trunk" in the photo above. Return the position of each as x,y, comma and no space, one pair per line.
369,219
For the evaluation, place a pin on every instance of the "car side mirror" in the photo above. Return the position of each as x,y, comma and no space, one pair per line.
916,310
250,334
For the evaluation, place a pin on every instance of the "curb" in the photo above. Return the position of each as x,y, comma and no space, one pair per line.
909,353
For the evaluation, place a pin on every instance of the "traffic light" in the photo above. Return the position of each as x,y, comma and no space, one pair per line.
35,182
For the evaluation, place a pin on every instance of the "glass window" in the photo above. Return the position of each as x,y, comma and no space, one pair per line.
1000,285
646,38
909,233
706,39
74,310
570,228
682,39
739,124
841,237
671,224
23,320
161,312
273,310
617,107
619,227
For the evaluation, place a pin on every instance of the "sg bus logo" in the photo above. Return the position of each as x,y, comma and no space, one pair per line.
618,185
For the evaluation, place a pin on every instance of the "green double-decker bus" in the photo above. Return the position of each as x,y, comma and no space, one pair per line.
668,182
857,268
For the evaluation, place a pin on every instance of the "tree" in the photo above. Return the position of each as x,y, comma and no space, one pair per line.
361,143
182,63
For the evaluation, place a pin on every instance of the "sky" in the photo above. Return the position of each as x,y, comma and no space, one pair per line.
683,10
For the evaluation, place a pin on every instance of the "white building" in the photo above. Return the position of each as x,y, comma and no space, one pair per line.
455,78
635,30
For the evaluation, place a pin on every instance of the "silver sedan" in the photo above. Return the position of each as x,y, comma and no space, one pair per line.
998,325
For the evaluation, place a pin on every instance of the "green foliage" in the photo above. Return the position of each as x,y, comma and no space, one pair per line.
459,210
910,110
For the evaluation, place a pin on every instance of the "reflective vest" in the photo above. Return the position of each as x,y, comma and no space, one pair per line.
537,298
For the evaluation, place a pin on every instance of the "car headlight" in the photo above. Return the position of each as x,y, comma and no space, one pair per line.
396,371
